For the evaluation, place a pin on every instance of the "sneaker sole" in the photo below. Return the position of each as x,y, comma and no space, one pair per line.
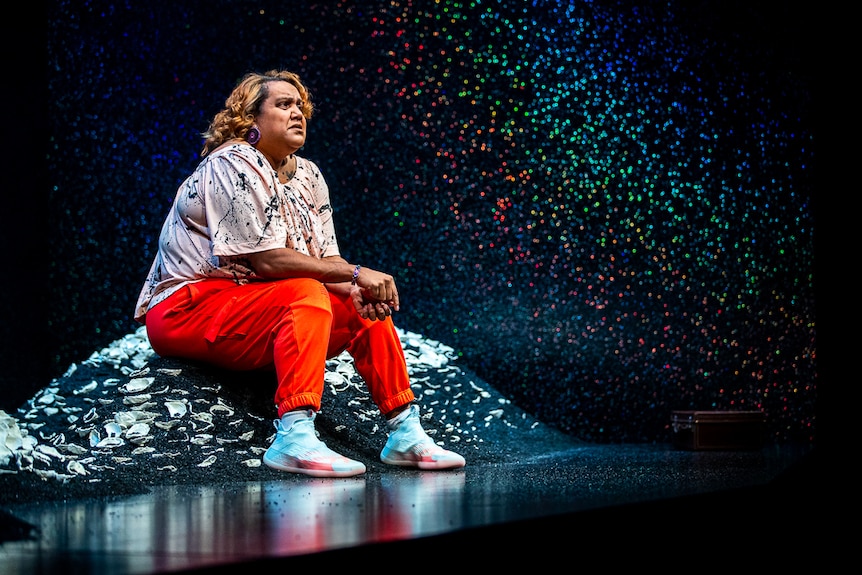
313,472
424,465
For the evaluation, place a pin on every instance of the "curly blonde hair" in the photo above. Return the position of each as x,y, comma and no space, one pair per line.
243,103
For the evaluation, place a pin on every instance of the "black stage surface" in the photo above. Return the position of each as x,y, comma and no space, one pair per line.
638,505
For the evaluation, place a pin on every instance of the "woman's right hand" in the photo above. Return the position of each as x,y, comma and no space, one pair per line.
378,287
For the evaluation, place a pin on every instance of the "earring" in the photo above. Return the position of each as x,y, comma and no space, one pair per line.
253,135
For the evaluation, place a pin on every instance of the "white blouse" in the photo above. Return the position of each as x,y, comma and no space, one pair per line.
233,205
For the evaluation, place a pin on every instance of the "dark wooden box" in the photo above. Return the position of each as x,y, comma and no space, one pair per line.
718,430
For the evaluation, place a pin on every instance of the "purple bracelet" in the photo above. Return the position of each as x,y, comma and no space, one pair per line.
355,275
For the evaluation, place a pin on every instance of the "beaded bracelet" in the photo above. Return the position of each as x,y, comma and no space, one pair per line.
355,275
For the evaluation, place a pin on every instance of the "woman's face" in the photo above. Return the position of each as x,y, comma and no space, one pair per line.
281,123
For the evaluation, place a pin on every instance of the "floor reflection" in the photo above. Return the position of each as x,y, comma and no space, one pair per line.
182,527
194,527
414,506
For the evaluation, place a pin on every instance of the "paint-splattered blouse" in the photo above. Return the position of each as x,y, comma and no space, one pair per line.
233,205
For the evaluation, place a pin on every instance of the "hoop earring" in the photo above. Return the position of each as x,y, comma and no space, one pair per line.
253,135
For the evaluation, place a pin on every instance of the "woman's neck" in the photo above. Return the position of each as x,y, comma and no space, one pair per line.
287,169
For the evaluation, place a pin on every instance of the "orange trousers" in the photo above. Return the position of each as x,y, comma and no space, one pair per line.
292,326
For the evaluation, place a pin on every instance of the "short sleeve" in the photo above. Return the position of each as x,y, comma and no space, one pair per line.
242,205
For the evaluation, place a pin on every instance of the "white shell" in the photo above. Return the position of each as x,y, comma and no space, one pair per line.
113,429
137,399
137,430
168,425
177,408
220,407
86,388
49,450
208,461
74,448
201,438
170,371
137,385
125,418
76,468
203,416
46,398
109,443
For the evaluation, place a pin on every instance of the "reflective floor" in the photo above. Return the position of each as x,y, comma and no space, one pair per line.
586,501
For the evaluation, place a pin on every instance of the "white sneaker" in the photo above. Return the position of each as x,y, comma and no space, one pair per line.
298,449
409,446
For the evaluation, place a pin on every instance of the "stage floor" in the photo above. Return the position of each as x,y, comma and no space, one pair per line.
567,504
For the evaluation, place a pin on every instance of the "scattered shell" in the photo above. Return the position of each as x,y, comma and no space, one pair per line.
137,385
206,423
145,406
201,438
109,443
137,399
222,408
46,398
251,462
90,415
50,451
125,418
76,468
53,438
86,388
202,416
137,431
113,429
74,449
168,425
167,371
336,380
208,461
51,474
177,408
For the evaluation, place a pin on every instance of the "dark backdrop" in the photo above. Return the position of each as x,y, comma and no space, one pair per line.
606,207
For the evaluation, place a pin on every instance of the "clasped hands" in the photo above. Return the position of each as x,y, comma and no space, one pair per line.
374,296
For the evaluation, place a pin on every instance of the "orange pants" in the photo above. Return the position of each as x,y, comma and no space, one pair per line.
291,325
